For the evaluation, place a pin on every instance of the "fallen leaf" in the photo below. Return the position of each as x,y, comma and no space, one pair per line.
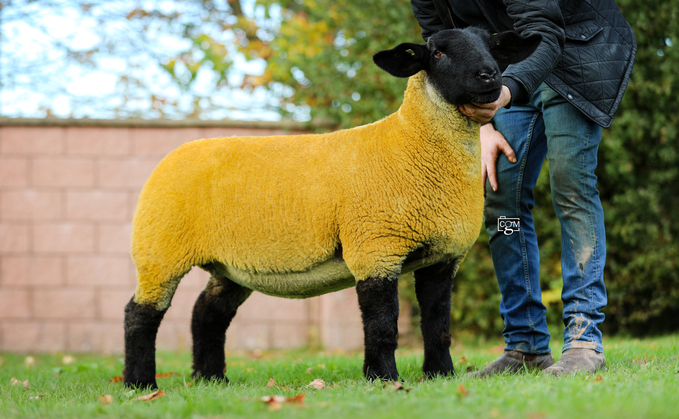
462,391
1,362
15,382
276,402
167,374
462,360
39,396
189,384
105,399
536,415
308,371
29,361
120,379
318,384
271,383
472,368
149,397
422,379
395,386
67,360
273,399
599,378
296,399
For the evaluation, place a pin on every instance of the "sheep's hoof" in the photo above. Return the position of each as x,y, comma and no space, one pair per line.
388,376
142,385
430,375
219,377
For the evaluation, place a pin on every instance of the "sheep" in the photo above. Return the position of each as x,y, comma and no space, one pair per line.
302,215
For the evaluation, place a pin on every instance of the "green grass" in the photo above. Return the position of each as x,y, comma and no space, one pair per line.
642,381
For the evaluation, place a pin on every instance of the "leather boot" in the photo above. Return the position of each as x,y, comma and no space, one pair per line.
513,362
577,360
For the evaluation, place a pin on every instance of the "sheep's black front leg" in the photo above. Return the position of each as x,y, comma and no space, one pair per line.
214,309
378,300
433,288
141,327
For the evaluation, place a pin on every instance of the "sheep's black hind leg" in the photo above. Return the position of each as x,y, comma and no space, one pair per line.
433,288
378,300
141,326
215,308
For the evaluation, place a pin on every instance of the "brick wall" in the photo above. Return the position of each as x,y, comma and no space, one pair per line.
67,196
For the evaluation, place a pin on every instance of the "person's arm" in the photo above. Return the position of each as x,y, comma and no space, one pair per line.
429,20
534,16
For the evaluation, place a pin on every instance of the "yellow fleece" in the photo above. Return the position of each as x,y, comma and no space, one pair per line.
301,215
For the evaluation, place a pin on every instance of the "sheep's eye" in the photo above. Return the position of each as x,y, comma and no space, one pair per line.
437,54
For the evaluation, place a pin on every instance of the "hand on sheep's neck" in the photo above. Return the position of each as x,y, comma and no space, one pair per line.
483,113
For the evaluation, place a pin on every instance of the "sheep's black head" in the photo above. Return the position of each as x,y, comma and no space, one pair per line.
461,63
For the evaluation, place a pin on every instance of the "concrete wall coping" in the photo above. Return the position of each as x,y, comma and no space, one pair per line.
285,124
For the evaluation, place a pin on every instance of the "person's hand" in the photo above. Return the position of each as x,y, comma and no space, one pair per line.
492,143
483,113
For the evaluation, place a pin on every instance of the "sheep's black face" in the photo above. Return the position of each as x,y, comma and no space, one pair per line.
461,67
461,63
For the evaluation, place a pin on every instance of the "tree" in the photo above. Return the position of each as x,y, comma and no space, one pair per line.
323,51
639,174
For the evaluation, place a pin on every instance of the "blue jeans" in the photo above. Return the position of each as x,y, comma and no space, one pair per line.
548,127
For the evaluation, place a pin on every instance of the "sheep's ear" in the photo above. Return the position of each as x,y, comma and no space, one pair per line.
510,47
403,61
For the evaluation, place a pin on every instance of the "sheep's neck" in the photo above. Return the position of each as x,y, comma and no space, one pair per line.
435,130
436,120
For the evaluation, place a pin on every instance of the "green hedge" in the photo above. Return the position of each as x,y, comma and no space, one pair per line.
639,177
639,185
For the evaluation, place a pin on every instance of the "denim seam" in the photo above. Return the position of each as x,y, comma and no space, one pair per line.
524,253
592,231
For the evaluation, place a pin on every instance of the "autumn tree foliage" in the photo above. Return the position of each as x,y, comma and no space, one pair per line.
323,51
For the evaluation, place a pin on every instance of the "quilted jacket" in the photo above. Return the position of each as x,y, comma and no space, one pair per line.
586,54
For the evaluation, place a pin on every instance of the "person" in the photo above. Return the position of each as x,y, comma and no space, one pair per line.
553,105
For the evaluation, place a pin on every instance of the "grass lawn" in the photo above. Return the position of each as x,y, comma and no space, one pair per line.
642,381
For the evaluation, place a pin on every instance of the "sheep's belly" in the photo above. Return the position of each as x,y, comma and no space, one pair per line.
328,276
331,275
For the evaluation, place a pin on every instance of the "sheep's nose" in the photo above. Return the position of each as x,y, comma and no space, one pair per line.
486,75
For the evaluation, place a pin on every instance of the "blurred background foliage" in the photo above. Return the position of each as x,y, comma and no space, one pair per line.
315,64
